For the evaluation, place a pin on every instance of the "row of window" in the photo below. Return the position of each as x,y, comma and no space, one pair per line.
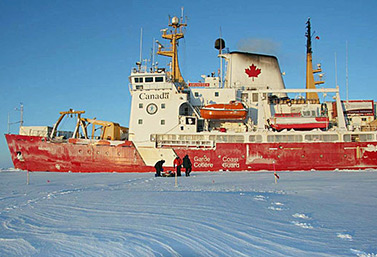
244,96
254,97
149,79
357,118
180,137
270,138
196,94
140,122
141,106
312,138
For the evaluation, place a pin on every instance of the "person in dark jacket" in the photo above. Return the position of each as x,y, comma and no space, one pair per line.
158,167
187,165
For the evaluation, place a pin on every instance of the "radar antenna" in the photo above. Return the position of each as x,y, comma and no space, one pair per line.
310,82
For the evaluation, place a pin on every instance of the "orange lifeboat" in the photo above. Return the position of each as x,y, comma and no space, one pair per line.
232,111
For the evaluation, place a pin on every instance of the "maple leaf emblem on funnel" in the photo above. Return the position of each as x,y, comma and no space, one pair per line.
253,71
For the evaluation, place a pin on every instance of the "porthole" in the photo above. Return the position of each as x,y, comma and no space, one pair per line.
152,108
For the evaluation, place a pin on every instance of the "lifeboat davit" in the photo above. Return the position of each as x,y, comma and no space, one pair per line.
232,111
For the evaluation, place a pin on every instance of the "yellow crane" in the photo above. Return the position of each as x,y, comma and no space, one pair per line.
109,130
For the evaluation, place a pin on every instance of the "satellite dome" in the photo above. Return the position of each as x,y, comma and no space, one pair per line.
175,20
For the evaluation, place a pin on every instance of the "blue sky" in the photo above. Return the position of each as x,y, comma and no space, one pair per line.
57,55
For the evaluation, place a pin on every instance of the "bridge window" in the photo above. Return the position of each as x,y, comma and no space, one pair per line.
227,138
166,137
244,97
190,137
284,138
255,97
138,80
159,79
321,138
149,79
255,138
358,137
366,137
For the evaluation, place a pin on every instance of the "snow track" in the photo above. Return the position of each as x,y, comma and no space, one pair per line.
208,214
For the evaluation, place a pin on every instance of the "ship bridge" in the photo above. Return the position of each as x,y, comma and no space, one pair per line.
140,80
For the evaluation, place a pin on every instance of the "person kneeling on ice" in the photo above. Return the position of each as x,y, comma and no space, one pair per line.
178,163
158,167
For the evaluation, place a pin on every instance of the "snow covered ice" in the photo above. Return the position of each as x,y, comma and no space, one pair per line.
207,214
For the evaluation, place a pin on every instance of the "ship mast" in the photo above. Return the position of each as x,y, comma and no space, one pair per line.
173,36
310,82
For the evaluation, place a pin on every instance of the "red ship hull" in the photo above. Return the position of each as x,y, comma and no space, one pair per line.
37,154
